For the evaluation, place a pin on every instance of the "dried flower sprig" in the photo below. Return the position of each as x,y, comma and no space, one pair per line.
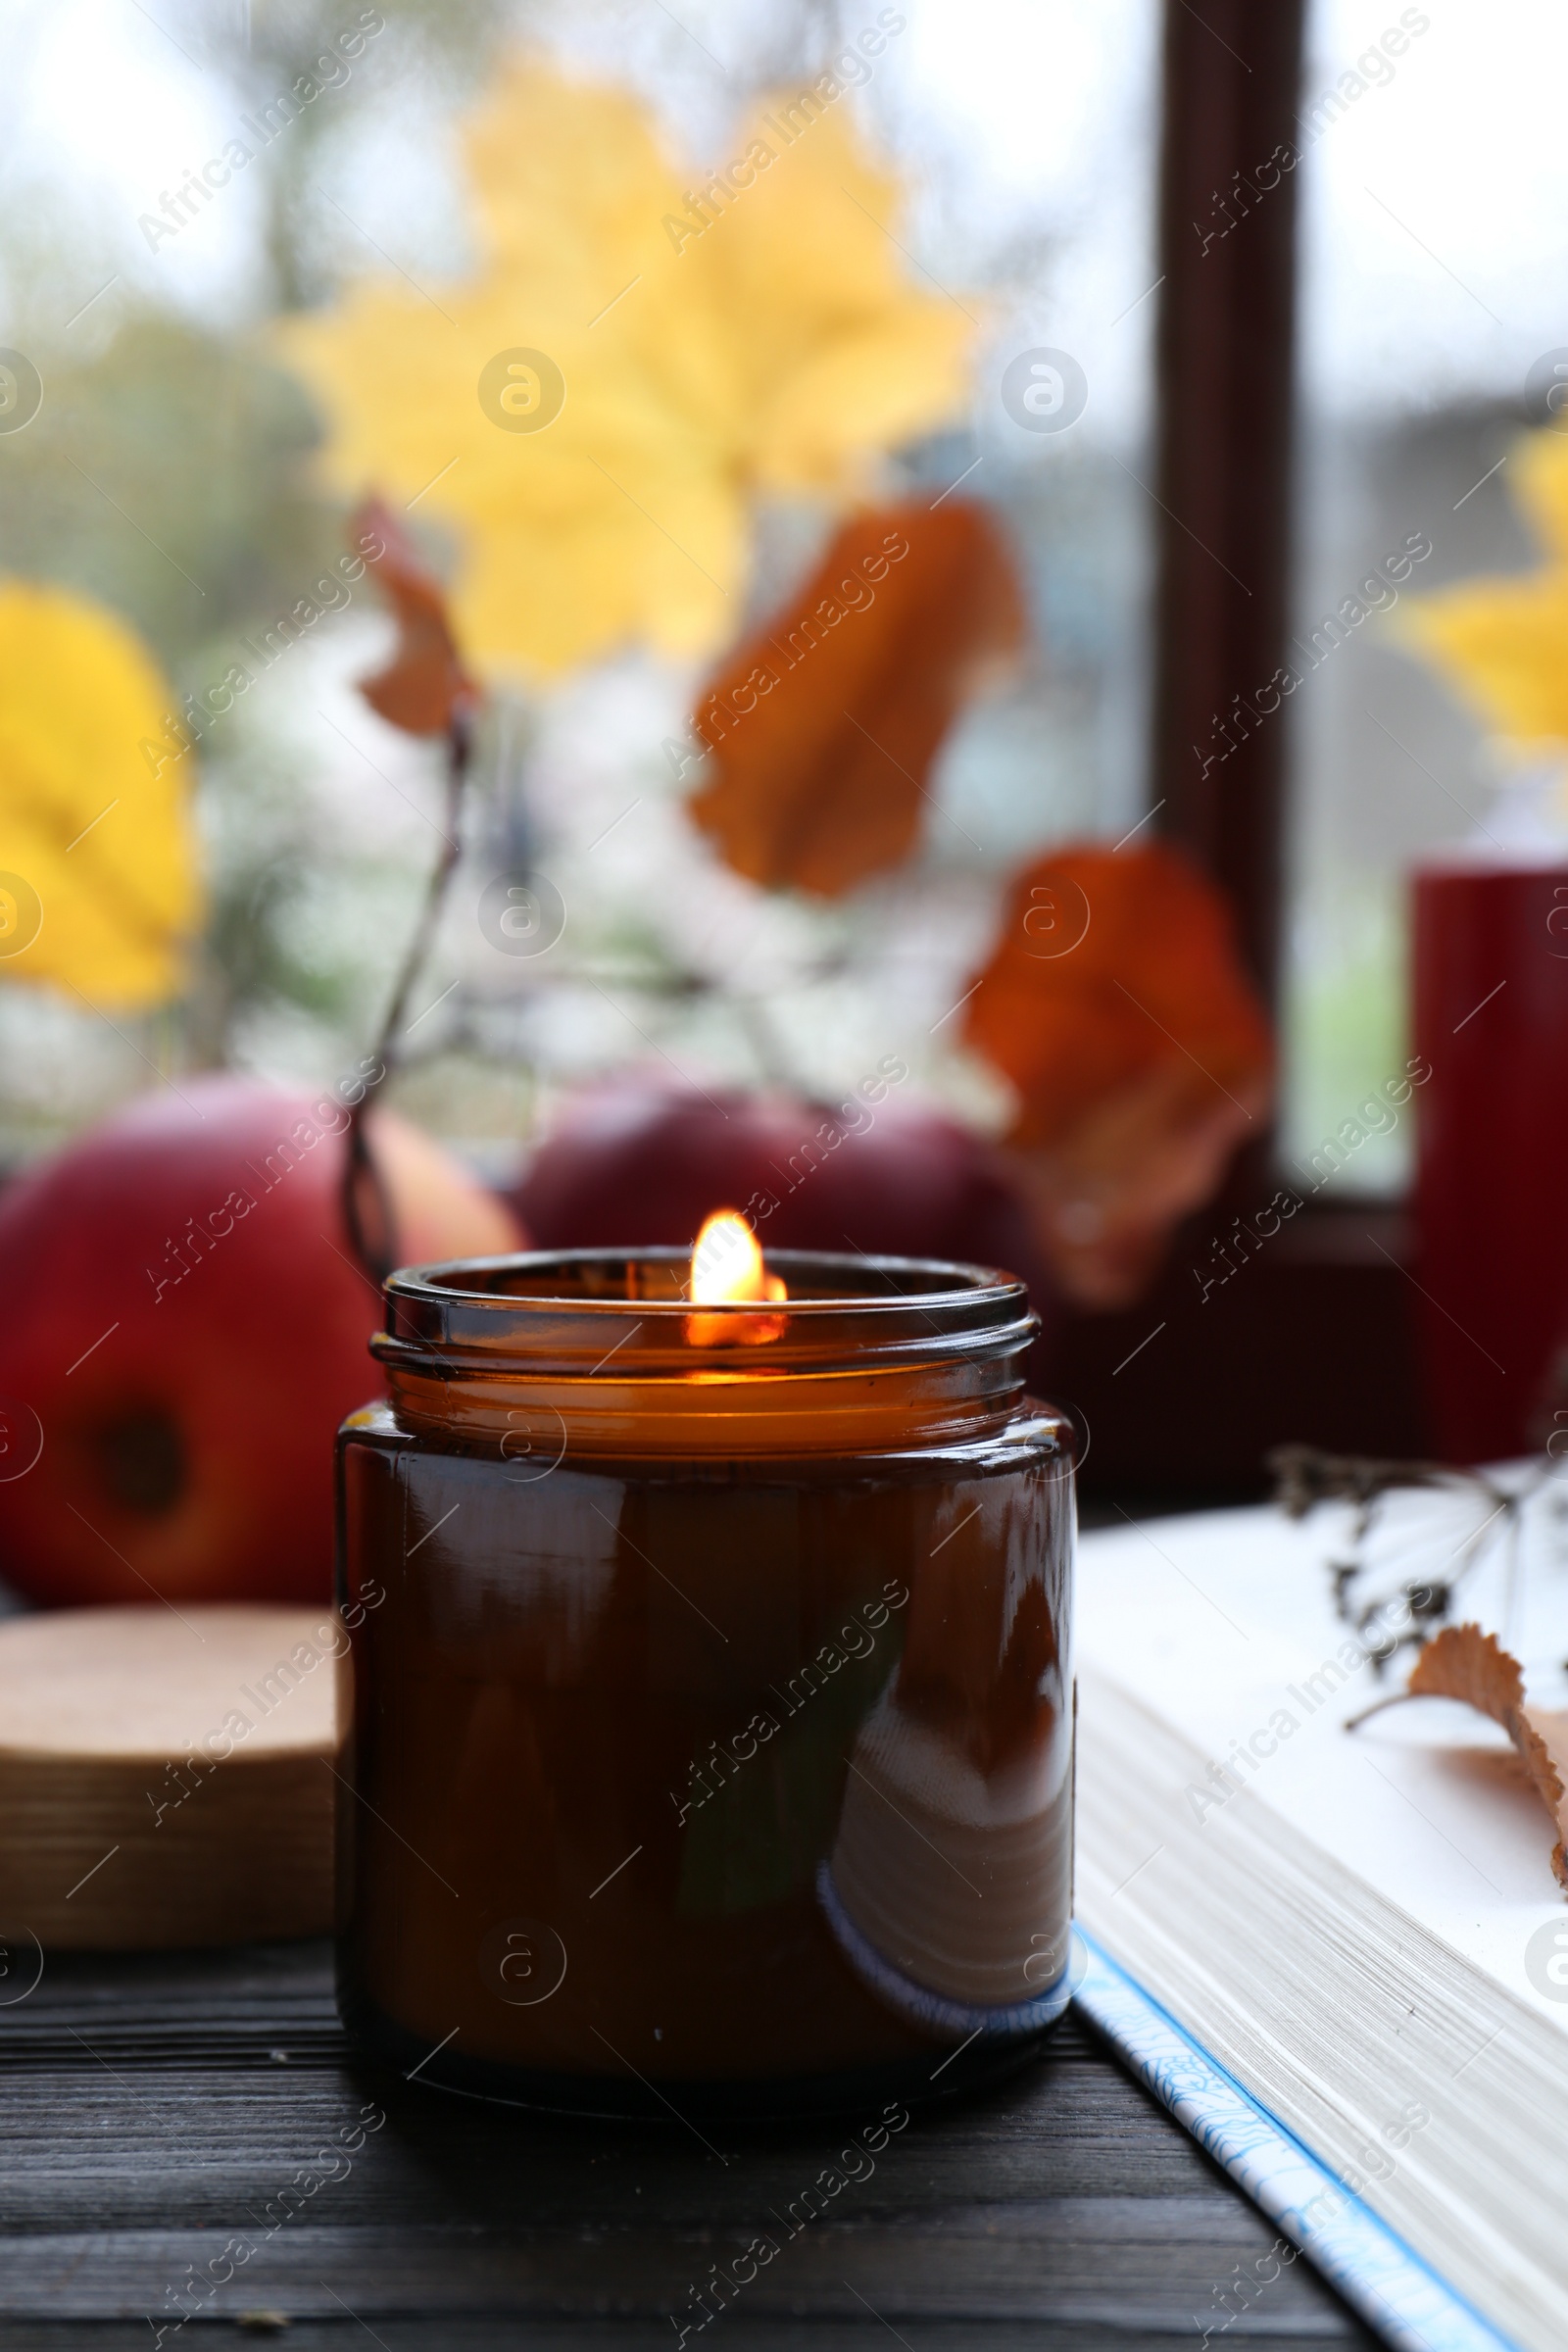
425,690
1304,1477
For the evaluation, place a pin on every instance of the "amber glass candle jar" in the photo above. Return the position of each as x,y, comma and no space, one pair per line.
711,1692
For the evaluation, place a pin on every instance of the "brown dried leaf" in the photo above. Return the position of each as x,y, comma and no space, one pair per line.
424,686
823,727
1466,1664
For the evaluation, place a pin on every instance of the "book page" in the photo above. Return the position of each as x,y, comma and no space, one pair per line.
1224,1624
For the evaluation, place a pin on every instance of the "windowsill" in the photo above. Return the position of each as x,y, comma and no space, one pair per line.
1348,1232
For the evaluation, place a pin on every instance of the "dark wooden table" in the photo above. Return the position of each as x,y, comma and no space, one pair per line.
160,2109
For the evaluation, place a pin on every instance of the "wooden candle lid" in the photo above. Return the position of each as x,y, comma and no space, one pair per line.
165,1776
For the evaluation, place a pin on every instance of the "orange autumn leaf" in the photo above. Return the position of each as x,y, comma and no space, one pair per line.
1464,1663
424,686
823,726
1115,1003
1113,967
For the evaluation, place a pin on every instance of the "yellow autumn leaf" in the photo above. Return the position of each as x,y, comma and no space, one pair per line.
98,888
709,346
1503,639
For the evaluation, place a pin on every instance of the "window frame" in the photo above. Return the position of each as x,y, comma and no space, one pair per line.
1312,1336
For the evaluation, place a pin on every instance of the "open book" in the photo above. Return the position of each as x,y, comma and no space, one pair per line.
1340,1956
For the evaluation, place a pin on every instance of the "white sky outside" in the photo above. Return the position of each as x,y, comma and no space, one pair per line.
1462,153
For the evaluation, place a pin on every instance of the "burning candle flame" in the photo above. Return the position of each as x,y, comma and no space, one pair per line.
727,1262
727,1269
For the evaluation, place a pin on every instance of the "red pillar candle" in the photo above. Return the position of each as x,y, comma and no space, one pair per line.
1491,1016
712,1700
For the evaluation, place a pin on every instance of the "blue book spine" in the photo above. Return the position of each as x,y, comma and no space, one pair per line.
1390,2287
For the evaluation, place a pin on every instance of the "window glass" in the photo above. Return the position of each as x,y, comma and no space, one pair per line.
1434,192
177,179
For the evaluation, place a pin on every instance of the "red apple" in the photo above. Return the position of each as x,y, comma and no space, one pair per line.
184,1327
637,1161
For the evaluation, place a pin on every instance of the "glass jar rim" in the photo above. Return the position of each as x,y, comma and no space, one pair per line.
610,1312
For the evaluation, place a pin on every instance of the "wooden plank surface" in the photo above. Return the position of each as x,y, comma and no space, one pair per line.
158,2109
